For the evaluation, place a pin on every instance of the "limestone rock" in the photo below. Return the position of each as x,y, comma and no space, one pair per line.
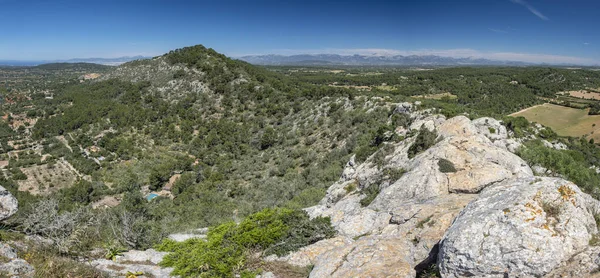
6,251
478,161
521,228
307,255
491,128
266,275
367,257
350,219
429,122
584,264
136,256
17,268
8,204
116,269
349,169
404,108
424,223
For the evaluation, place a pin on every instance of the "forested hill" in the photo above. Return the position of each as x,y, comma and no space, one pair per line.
232,138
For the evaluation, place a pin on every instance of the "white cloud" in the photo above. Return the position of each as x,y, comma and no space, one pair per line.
586,43
530,8
454,53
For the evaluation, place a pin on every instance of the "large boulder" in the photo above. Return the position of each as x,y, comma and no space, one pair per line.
523,227
8,204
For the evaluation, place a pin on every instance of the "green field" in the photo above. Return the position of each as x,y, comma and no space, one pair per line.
565,121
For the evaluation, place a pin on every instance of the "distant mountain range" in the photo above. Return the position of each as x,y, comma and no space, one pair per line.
101,61
366,60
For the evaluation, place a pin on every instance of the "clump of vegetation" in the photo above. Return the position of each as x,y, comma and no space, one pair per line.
446,166
227,248
48,263
351,187
518,125
393,174
551,209
425,139
422,223
572,164
431,271
371,193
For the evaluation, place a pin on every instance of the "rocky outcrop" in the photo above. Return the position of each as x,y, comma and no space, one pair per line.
518,228
486,216
477,160
8,204
11,265
371,256
134,261
411,212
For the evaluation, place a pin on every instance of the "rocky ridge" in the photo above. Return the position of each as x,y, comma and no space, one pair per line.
490,217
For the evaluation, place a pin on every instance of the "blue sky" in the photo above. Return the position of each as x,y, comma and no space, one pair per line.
529,30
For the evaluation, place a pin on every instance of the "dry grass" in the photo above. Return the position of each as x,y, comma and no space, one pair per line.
584,94
565,121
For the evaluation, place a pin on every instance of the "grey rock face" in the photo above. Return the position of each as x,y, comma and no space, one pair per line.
479,163
148,256
368,257
307,255
491,128
521,228
404,108
8,204
17,268
7,251
120,269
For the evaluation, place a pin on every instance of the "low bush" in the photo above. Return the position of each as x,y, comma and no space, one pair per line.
372,191
425,139
228,247
446,166
573,165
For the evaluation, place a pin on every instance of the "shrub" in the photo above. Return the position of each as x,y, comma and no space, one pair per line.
446,166
228,247
268,139
179,74
425,139
518,125
371,193
394,174
350,187
571,164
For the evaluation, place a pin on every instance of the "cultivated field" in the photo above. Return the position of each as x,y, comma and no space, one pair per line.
565,121
47,178
582,94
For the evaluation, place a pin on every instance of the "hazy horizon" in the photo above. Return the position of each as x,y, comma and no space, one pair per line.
534,31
